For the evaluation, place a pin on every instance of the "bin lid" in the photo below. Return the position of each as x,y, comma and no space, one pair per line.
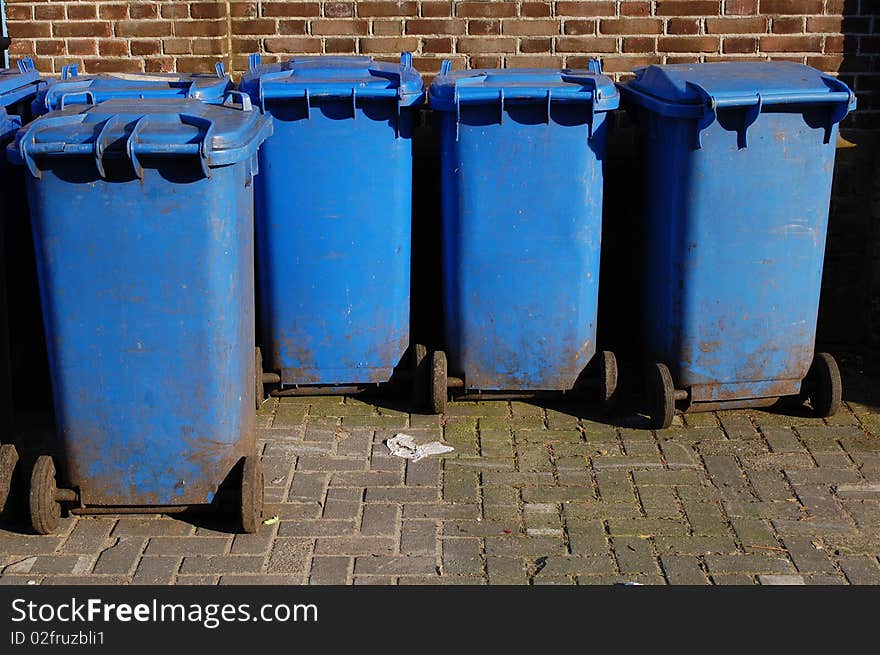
523,84
8,125
218,134
18,83
81,89
737,83
331,76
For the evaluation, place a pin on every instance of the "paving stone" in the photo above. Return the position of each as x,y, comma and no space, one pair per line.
121,558
860,569
683,569
395,565
462,556
781,580
221,564
187,546
748,563
418,537
506,570
380,519
156,570
331,570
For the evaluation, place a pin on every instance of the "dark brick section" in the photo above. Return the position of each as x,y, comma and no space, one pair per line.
532,494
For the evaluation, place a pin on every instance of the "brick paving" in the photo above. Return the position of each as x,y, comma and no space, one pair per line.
533,494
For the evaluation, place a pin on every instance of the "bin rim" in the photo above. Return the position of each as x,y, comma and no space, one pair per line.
450,89
73,87
333,76
698,90
215,134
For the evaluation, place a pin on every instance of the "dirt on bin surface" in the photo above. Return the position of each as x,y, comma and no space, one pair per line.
534,493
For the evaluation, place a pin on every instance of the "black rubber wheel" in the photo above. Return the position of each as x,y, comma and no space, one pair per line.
824,386
251,494
661,396
8,462
421,373
608,377
45,509
259,391
439,393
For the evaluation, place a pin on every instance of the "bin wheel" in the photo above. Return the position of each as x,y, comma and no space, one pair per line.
439,394
661,396
824,386
420,374
8,462
251,494
607,380
45,509
259,391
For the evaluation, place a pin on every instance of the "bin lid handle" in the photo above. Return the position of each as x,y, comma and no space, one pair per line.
69,70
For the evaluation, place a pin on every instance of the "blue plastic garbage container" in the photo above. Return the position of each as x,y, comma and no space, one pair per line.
142,214
22,354
333,220
738,161
521,163
73,88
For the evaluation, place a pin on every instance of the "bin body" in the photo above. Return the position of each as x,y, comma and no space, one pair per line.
521,161
334,216
73,88
147,292
736,214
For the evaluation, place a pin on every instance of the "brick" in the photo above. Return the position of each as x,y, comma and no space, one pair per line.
682,26
792,25
630,26
338,9
186,28
482,28
284,9
530,27
340,28
688,44
772,7
429,8
580,27
582,44
385,9
435,26
133,28
486,9
586,8
688,7
740,7
187,546
388,45
90,12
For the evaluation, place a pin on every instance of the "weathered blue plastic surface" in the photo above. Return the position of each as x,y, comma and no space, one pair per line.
522,155
334,217
737,194
73,88
147,290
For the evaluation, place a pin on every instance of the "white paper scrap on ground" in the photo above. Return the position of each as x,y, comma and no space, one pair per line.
403,445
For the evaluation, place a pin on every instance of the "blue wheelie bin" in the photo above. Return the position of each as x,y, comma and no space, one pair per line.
522,168
738,160
333,220
73,88
23,366
142,214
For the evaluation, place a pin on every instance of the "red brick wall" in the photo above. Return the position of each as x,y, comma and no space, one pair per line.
834,35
